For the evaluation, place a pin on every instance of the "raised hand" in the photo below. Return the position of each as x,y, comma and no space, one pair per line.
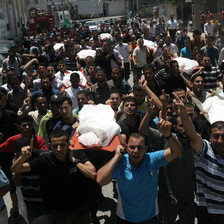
26,151
164,98
164,126
120,150
178,103
143,84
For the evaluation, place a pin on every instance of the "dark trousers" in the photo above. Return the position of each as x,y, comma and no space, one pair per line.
172,34
206,218
151,221
169,211
126,71
139,71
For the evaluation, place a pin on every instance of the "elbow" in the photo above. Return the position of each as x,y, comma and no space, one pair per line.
101,180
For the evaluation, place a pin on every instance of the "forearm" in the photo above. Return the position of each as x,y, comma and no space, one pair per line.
155,99
104,174
88,170
144,125
175,146
186,81
187,123
28,67
17,165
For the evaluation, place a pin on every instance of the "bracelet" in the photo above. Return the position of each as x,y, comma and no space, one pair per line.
168,136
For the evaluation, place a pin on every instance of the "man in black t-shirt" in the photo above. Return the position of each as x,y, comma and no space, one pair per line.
64,177
132,121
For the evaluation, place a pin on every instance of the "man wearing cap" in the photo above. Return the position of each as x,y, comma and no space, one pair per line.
172,27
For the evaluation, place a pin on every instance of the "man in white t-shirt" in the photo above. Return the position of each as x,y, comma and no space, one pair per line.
74,89
172,27
125,52
140,55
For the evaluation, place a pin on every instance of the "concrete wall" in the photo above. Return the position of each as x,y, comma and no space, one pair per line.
165,10
90,6
115,8
4,33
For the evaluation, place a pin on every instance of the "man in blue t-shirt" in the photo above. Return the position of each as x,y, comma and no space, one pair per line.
136,174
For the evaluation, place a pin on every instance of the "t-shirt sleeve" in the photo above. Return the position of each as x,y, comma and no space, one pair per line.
157,159
7,146
204,149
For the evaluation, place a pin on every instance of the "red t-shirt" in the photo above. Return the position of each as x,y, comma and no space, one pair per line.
8,145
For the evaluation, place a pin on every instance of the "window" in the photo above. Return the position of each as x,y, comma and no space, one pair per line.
36,1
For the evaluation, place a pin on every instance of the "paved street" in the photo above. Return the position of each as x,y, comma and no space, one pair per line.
107,207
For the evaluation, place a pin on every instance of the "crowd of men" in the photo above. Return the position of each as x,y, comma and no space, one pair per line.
170,161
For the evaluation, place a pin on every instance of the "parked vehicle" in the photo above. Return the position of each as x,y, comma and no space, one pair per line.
4,46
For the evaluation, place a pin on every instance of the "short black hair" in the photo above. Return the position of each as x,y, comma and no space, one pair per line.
58,133
46,76
129,99
149,66
137,87
138,135
16,77
65,98
21,142
84,92
75,75
218,125
193,77
114,90
173,62
25,118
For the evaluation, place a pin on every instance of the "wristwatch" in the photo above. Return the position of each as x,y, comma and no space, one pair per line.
77,161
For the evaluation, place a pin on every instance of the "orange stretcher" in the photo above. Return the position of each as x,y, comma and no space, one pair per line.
110,148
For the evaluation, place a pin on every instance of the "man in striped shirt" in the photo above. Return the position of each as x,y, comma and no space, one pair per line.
209,168
210,74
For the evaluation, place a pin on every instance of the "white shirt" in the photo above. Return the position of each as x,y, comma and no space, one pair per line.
71,93
173,49
208,28
140,56
124,50
172,24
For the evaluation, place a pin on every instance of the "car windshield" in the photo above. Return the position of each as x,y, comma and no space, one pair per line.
91,24
4,46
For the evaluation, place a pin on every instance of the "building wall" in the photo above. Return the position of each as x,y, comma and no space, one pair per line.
200,5
115,8
87,7
4,33
41,4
